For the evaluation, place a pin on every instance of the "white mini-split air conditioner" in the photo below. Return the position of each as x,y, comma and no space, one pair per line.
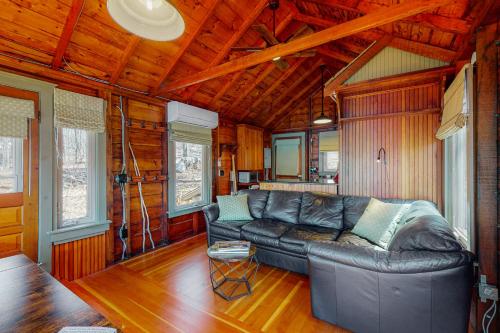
188,114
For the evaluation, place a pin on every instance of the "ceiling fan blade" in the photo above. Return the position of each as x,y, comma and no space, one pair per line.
304,30
247,48
281,64
266,34
305,54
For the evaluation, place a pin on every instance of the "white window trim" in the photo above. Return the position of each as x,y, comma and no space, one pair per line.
18,166
321,164
173,209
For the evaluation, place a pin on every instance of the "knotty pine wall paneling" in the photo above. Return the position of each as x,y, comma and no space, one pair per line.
404,121
225,134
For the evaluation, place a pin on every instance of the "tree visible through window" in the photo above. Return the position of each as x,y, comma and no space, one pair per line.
76,172
189,161
11,165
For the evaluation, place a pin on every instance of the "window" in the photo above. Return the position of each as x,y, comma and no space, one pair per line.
76,176
189,167
329,161
11,165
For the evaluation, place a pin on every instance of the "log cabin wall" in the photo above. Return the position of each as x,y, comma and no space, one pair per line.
403,121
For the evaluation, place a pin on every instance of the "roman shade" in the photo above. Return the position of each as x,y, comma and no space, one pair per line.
190,133
72,110
329,141
455,109
14,113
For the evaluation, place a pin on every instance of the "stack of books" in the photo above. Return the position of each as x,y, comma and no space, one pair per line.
236,248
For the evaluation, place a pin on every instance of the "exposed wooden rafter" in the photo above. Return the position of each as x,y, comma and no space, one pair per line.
369,21
212,4
127,53
288,107
225,88
262,75
224,52
356,65
271,88
69,27
401,43
335,55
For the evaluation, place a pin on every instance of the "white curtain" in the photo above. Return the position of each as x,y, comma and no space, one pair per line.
72,110
455,109
14,115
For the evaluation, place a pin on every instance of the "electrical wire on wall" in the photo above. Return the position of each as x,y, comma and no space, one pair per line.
122,184
144,209
489,315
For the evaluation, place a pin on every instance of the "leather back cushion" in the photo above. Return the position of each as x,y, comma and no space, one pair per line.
283,206
355,206
321,210
425,233
257,200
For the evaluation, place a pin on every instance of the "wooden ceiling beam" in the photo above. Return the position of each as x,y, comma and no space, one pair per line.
287,108
434,21
227,48
127,53
185,45
69,27
271,88
224,89
356,65
369,21
262,75
294,85
401,43
334,54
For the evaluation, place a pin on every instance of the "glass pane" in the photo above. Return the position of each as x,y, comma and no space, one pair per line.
75,174
11,165
332,160
188,173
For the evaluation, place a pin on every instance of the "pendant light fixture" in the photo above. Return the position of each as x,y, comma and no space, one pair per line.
322,119
151,19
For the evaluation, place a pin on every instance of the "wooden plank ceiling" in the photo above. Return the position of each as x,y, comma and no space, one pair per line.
80,36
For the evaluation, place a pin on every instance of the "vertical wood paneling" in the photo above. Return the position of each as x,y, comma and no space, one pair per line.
392,61
404,121
79,258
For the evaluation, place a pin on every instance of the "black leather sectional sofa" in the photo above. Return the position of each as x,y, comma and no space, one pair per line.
422,283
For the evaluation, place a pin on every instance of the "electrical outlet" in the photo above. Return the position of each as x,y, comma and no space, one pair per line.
487,291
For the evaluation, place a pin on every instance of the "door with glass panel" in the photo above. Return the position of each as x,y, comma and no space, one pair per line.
288,157
18,172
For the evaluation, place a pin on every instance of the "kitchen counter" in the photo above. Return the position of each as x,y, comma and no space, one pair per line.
301,186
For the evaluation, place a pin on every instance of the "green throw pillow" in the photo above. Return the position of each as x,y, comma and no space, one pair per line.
233,208
379,221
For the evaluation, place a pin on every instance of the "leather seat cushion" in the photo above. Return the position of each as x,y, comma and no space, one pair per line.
260,239
298,237
283,206
231,229
267,227
322,210
348,238
257,200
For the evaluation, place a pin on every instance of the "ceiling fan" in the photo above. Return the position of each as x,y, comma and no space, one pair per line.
271,39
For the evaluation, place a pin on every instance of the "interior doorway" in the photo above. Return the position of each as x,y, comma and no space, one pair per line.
289,156
18,172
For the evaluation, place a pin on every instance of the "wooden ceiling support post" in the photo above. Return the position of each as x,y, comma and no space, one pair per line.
185,45
69,27
486,206
356,65
367,22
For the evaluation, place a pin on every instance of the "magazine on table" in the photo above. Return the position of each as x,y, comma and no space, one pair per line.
231,247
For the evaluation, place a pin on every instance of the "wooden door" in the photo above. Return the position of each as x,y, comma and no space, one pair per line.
288,158
19,207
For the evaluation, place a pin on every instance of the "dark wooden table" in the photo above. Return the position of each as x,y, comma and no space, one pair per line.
31,300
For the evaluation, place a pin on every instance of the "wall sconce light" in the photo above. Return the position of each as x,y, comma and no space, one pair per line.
379,157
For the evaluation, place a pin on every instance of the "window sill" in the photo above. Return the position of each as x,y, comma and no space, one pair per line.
189,210
77,232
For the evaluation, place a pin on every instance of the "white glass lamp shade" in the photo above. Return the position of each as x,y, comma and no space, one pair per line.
151,19
322,120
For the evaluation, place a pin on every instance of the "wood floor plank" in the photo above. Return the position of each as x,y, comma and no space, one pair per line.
169,290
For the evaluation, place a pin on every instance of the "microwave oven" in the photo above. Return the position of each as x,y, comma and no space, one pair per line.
248,176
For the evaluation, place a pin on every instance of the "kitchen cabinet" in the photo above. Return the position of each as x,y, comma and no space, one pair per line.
250,154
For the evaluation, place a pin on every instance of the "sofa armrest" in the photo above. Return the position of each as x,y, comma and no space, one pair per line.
211,213
389,261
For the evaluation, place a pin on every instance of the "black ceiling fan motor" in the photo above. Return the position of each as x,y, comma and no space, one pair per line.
274,4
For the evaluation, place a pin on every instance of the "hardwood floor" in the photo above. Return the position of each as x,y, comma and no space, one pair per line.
169,290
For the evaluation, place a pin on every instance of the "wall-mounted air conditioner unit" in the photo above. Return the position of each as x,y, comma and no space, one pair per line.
188,114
